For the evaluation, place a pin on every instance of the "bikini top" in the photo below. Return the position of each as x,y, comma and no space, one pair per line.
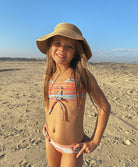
64,91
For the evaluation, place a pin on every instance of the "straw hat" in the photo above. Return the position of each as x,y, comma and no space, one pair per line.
65,30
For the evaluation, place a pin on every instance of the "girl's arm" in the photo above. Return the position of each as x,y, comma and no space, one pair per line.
102,118
103,112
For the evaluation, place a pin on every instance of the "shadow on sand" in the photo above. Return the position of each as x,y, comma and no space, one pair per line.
10,69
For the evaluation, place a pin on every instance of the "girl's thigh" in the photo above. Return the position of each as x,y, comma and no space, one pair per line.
53,156
70,160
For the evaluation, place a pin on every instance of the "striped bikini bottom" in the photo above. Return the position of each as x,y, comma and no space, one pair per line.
62,148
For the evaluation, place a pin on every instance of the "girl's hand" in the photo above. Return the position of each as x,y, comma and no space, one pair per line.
86,147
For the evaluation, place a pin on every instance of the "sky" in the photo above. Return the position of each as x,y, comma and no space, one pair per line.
109,26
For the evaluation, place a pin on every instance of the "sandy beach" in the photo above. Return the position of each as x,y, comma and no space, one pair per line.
22,115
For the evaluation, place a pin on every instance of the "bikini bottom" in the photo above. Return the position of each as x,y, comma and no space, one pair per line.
62,148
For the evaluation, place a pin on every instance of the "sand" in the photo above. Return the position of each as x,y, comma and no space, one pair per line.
22,115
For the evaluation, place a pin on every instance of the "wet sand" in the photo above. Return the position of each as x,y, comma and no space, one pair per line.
22,115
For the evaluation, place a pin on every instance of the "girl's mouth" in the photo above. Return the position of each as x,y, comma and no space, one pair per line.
60,55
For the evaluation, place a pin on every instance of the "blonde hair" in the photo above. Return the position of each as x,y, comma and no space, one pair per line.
81,73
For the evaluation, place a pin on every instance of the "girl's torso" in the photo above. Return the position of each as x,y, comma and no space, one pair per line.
63,117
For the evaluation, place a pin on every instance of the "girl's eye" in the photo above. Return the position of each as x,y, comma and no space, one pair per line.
57,43
70,46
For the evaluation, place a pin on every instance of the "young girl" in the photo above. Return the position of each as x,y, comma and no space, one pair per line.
66,82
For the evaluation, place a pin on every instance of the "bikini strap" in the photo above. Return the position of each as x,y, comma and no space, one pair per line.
59,101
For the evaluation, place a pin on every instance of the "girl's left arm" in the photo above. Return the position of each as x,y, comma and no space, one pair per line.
102,118
103,112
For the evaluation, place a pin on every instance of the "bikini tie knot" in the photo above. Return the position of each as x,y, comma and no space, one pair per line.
59,97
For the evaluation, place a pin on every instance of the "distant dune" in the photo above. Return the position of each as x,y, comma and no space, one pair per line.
20,59
94,59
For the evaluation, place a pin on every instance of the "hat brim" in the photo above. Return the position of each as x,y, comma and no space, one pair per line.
43,42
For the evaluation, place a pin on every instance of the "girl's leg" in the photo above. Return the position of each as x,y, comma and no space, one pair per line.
70,160
53,156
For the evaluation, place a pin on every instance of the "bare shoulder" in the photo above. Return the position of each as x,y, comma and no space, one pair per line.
93,81
98,94
94,85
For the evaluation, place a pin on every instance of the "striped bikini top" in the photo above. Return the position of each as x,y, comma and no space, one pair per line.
64,91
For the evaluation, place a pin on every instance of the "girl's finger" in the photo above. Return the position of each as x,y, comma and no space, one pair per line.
87,150
77,146
80,152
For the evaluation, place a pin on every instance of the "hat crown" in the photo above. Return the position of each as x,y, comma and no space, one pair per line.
67,27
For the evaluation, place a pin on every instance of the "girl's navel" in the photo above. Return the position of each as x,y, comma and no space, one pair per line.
54,130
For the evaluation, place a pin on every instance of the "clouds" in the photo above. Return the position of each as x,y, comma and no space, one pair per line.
120,55
125,50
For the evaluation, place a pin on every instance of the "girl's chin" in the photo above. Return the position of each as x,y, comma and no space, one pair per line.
60,61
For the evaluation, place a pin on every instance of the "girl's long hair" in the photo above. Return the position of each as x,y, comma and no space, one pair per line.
81,73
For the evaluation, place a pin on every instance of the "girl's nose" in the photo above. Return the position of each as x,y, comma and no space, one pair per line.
61,48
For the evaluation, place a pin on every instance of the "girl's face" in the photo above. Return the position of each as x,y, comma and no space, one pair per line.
63,50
